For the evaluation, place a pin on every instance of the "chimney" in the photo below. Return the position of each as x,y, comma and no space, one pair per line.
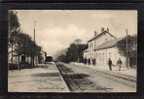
95,33
102,29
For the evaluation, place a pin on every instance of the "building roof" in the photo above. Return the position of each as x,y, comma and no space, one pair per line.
108,44
99,35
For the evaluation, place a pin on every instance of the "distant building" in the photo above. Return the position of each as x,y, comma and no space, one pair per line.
17,59
102,47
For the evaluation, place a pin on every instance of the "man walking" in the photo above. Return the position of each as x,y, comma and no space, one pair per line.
110,64
119,63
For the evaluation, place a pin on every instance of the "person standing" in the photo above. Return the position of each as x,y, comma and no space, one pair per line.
110,64
119,63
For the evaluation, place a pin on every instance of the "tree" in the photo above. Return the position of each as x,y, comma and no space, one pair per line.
131,52
62,58
14,28
13,21
21,43
74,53
77,41
27,47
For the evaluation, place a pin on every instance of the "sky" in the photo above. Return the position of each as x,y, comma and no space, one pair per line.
57,29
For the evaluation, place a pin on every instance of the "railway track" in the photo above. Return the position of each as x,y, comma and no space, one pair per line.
69,80
77,82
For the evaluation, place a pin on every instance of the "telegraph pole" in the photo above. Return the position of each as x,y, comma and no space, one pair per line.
34,42
127,51
34,30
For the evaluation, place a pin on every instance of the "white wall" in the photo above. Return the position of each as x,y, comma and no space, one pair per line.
93,44
103,39
113,53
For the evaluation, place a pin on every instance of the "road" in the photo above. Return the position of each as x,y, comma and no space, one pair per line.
84,79
66,78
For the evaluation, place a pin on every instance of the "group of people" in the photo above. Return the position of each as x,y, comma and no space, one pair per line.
110,64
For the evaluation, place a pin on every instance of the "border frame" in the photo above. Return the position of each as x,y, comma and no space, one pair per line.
4,7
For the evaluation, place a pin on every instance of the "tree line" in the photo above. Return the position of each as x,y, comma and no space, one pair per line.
20,44
74,52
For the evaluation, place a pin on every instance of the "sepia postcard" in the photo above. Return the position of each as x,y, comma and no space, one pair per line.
92,51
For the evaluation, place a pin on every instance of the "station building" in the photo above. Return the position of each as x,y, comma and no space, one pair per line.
102,47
